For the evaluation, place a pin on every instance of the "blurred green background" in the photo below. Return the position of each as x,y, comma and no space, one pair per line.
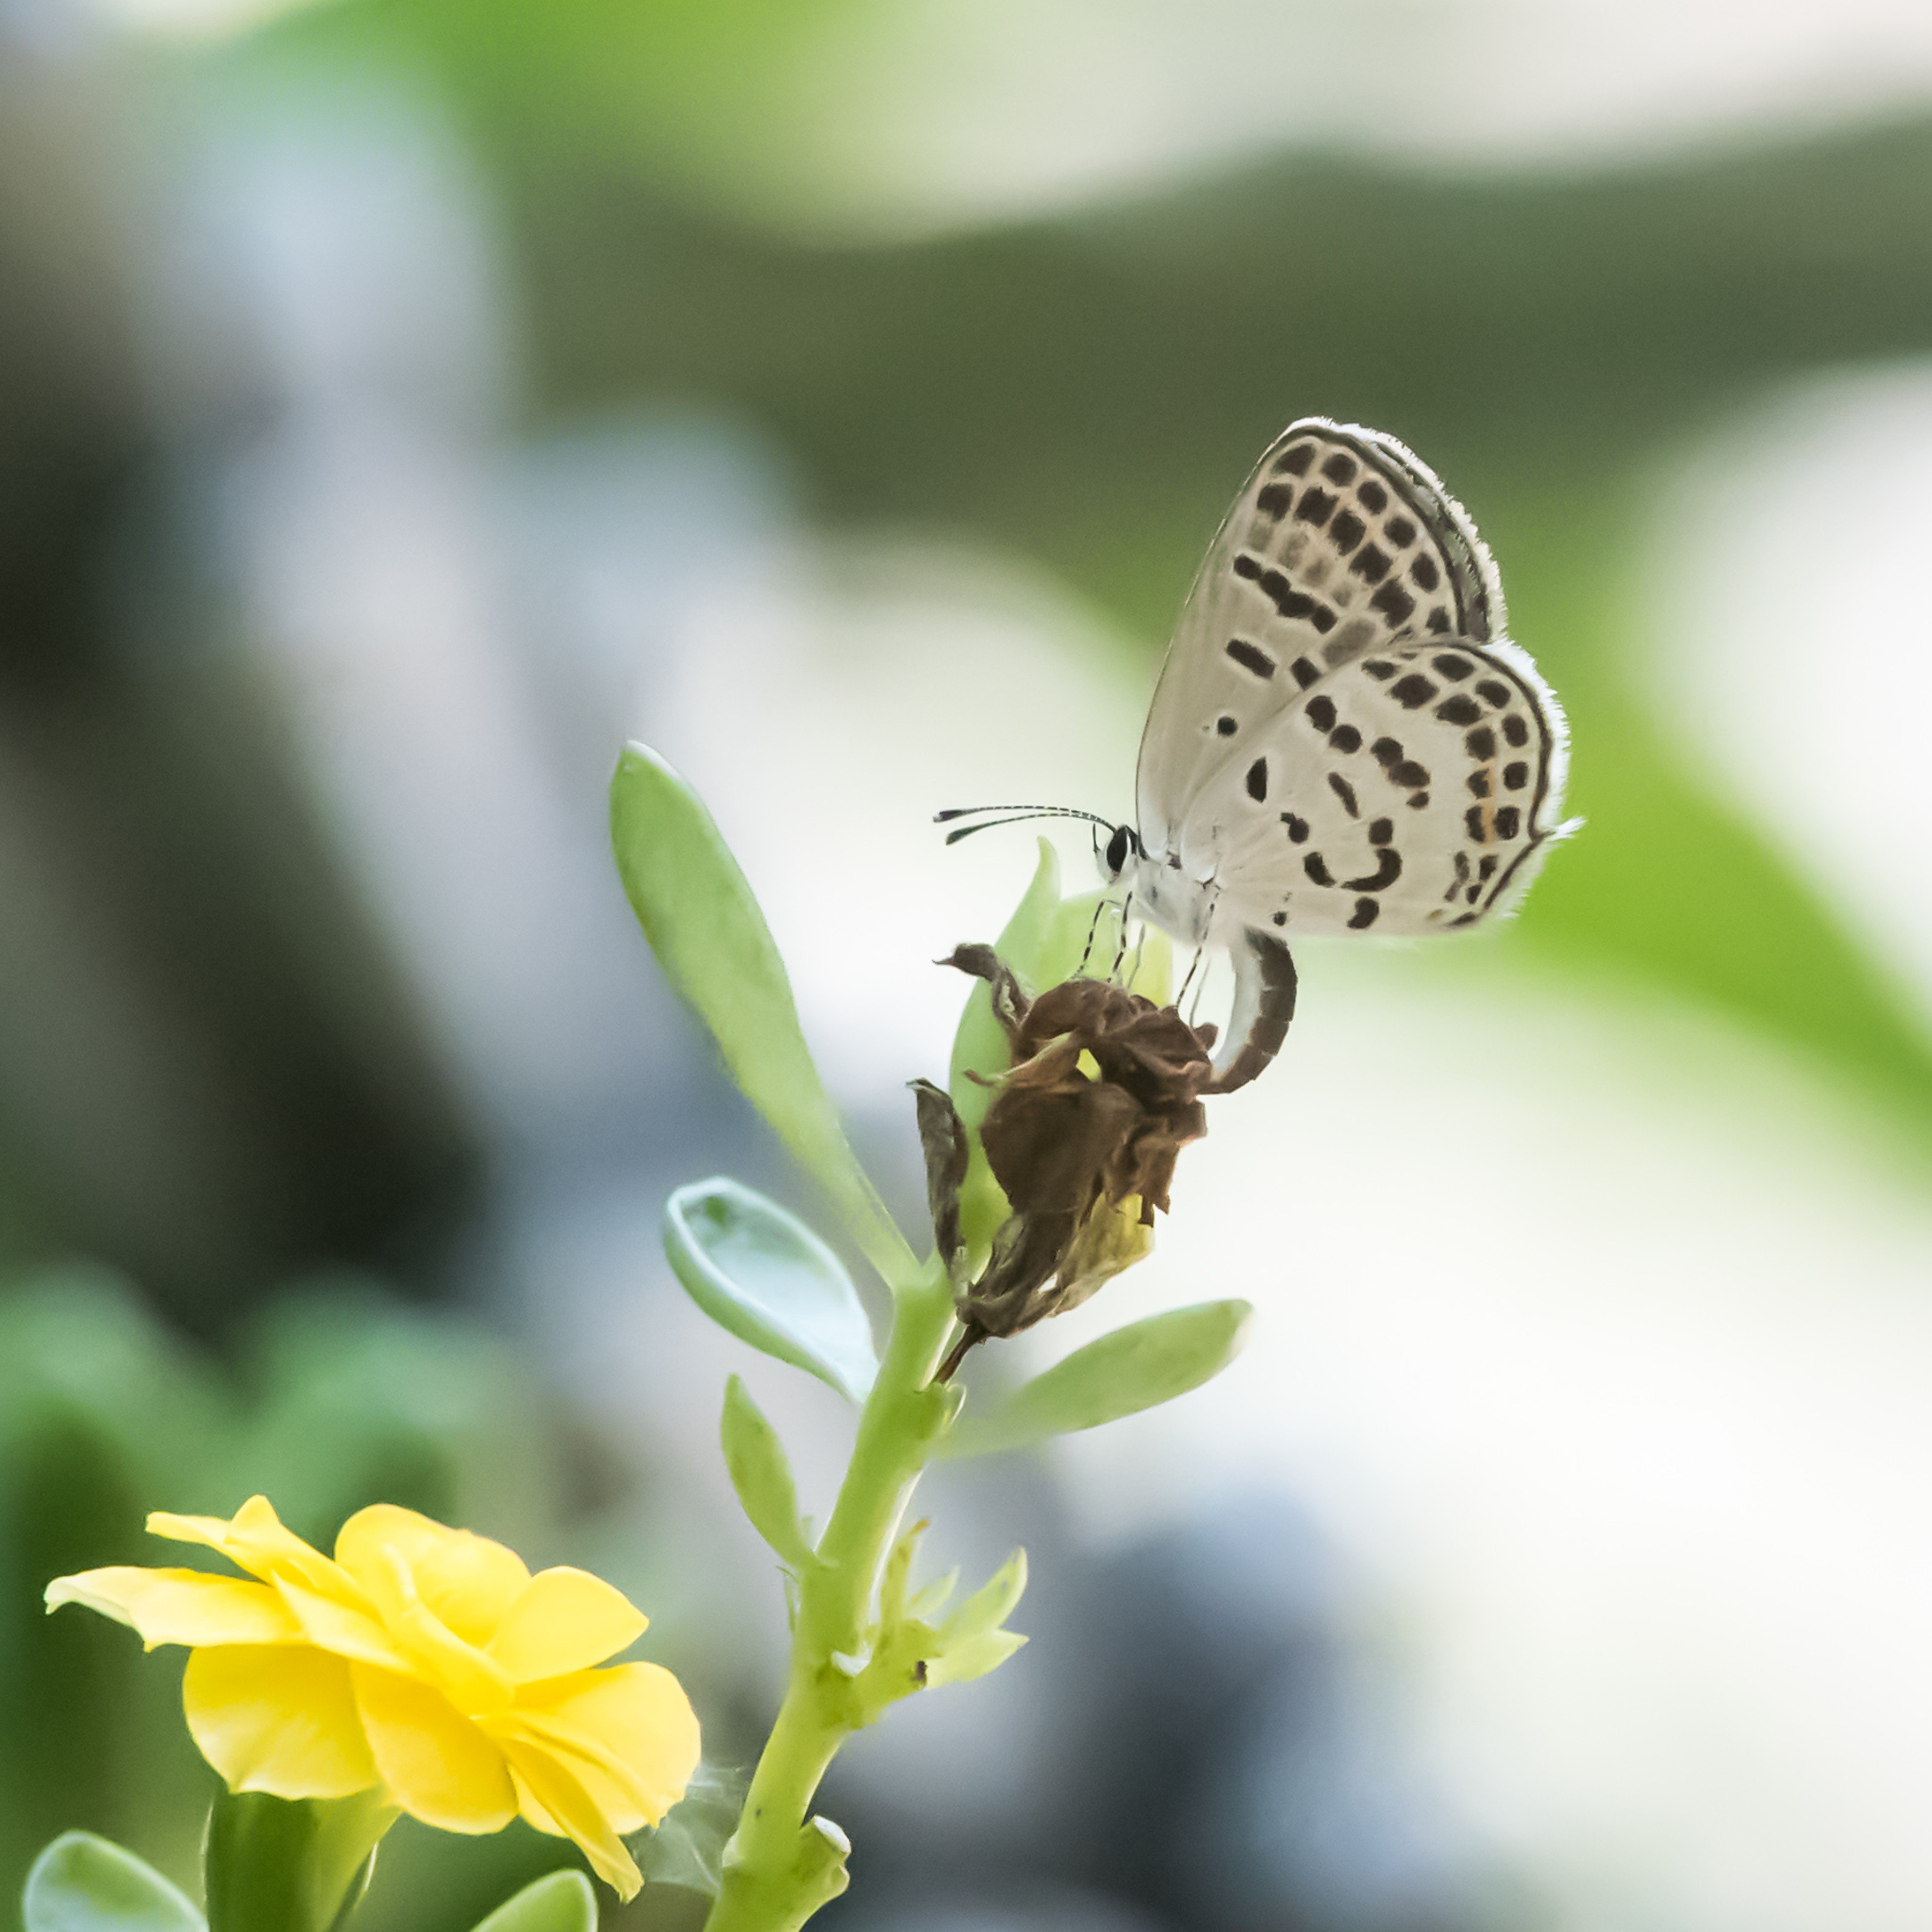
390,389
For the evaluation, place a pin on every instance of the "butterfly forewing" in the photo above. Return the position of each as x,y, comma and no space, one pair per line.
1341,544
1342,738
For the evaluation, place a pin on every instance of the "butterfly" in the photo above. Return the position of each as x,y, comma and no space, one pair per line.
1343,740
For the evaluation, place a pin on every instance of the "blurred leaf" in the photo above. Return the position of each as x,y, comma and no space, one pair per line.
82,1883
361,1399
1134,1368
980,1045
1669,878
765,1276
711,939
762,1476
103,1416
563,1902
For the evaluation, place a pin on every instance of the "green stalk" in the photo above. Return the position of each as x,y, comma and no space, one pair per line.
779,1868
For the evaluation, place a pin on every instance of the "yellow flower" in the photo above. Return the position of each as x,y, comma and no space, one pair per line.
426,1661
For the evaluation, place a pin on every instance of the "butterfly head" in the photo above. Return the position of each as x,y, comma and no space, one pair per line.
1123,845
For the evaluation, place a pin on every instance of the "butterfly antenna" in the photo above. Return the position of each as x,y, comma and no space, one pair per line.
1013,814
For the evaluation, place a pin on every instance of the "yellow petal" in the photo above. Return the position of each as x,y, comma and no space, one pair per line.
565,1620
180,1606
532,1813
562,1798
257,1541
467,1581
629,1733
473,1681
277,1717
439,1766
331,1625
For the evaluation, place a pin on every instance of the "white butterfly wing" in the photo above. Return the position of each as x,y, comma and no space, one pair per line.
1341,739
1411,791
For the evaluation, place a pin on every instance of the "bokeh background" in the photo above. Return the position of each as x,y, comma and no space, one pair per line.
403,402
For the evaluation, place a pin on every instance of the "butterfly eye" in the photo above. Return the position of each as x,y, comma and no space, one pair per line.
1118,847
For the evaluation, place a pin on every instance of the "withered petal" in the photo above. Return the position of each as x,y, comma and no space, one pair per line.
1049,1150
1070,1150
1009,1000
942,1137
1027,1253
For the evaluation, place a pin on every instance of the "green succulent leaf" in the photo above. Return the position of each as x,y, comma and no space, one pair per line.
980,1046
82,1883
762,1273
561,1901
991,1603
704,924
928,1602
972,1656
761,1474
1136,1367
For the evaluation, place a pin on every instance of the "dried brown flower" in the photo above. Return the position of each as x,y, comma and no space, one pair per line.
1103,1093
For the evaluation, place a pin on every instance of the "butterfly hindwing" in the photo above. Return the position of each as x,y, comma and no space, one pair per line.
1342,543
1410,791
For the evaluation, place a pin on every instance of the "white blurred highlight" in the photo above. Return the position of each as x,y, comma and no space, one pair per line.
1795,636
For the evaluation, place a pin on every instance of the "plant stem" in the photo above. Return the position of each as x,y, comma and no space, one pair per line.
779,1869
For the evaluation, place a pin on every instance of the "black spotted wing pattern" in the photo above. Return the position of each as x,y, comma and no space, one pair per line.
1341,544
1411,791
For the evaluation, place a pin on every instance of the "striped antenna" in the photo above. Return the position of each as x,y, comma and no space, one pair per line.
1013,815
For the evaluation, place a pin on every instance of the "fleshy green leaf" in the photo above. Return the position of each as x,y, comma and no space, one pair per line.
1134,1368
992,1603
761,1474
973,1657
980,1046
927,1603
765,1276
708,935
561,1901
82,1883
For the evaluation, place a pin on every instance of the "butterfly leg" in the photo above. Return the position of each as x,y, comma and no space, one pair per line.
1206,939
1199,951
1121,951
1093,927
